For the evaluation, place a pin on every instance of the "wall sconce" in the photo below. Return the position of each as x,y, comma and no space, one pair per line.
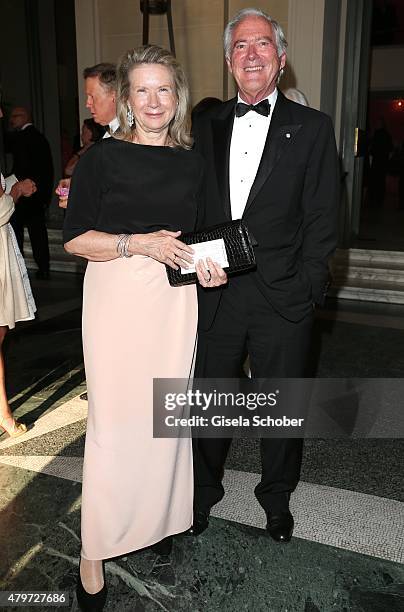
157,7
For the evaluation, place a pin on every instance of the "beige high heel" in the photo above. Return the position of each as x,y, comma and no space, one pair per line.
17,430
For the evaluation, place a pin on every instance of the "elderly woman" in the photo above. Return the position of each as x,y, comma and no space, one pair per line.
16,301
131,197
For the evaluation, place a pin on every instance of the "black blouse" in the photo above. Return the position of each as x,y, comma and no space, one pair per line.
123,188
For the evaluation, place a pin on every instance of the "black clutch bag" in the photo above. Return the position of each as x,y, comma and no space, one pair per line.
238,245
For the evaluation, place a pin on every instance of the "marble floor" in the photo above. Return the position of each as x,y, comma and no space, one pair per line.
348,549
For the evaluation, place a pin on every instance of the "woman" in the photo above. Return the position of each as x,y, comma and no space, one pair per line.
16,301
132,195
91,132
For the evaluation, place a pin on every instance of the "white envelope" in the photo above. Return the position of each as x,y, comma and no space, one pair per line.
215,249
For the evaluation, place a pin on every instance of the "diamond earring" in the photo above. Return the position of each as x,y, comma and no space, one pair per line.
130,117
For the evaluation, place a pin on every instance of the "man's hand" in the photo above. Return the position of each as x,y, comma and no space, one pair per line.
210,274
62,190
23,188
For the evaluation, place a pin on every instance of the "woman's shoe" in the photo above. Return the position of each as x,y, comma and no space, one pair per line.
164,547
17,428
91,602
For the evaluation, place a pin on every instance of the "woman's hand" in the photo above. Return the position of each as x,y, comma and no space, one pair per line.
210,275
62,190
164,247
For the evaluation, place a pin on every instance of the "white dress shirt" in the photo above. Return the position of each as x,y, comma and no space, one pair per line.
113,126
247,144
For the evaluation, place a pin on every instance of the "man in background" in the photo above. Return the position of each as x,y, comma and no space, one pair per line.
32,159
100,90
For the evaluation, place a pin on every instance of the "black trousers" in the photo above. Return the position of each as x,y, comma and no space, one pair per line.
34,219
246,323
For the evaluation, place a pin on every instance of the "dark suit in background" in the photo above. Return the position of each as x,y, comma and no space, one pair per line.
32,159
292,213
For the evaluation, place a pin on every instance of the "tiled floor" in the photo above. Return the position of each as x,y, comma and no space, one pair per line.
349,546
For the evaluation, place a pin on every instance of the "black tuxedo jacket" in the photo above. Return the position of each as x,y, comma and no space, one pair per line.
291,209
32,159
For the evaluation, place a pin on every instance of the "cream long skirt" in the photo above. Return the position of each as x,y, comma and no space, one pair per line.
136,490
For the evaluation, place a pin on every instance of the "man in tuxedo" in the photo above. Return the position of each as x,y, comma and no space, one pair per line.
31,159
100,90
273,163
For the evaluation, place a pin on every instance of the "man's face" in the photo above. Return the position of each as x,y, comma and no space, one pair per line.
254,60
100,101
18,118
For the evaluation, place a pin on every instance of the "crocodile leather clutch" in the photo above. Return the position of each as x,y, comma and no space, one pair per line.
238,245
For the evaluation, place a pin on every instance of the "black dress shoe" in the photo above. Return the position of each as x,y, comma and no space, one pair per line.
164,547
91,602
200,523
280,526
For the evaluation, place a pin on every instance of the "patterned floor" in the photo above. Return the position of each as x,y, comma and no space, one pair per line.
348,548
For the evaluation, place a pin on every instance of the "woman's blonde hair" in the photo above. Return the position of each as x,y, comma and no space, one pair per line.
180,127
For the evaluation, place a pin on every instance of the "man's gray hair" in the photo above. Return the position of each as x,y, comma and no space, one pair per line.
280,39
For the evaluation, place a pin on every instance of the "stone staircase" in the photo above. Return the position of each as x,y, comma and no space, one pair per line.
368,275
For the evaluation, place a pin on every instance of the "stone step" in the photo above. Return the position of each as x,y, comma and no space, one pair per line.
366,265
368,275
367,257
367,294
341,273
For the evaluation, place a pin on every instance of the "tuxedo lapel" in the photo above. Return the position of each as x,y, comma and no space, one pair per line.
222,127
280,136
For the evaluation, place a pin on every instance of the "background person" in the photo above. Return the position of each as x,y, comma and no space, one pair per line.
31,159
16,301
295,95
129,197
100,90
91,132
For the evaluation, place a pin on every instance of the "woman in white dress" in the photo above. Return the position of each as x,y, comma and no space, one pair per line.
16,301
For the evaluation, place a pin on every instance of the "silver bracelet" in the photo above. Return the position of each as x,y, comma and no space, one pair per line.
122,245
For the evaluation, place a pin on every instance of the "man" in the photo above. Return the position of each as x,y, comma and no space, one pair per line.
100,90
31,159
274,163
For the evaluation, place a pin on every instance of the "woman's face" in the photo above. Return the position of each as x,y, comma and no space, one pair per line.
152,97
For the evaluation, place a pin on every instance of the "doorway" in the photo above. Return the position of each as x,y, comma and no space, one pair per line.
374,127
